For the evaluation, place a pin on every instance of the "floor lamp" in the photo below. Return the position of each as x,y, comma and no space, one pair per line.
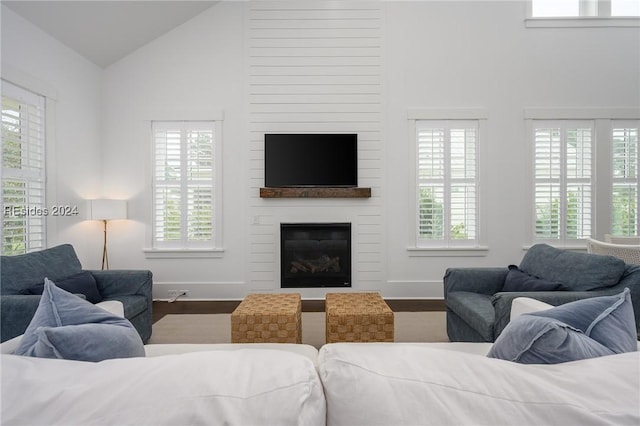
106,210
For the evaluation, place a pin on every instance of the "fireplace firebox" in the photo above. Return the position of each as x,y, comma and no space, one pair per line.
315,255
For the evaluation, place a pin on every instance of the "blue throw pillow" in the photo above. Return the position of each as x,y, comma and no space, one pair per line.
82,283
582,329
518,280
68,327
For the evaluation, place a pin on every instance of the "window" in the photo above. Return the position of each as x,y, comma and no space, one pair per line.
185,173
563,180
625,181
447,183
578,8
555,8
578,13
23,170
625,8
585,173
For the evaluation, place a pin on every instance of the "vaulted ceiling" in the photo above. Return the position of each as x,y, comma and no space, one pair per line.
106,31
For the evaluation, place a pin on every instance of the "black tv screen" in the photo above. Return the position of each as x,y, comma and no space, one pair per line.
292,160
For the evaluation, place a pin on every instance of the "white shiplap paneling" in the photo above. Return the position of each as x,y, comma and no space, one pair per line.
315,67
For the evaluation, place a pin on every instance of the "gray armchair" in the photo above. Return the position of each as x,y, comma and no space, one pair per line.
21,272
478,310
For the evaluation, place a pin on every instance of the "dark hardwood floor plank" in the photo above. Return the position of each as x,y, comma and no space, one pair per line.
162,308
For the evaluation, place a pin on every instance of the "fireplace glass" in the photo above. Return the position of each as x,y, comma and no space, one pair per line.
315,255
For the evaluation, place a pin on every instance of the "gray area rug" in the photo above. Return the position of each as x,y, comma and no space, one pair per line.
216,328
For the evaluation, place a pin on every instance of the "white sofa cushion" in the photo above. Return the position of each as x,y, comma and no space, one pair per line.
410,384
114,306
161,349
247,386
525,305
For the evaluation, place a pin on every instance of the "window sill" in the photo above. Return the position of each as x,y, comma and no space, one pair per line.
448,251
583,22
183,253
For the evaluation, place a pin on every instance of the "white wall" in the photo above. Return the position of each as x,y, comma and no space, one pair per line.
480,55
430,55
424,55
197,71
32,58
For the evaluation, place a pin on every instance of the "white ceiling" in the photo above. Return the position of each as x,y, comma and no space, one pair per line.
106,31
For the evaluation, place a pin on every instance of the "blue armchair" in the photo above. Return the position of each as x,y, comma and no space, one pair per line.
478,310
22,272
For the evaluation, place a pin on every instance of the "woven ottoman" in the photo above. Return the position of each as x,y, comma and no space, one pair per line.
358,317
267,318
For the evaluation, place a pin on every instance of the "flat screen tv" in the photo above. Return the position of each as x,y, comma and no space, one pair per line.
310,160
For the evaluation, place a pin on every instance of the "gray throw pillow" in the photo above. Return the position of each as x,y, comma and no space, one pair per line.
518,280
68,327
83,283
582,329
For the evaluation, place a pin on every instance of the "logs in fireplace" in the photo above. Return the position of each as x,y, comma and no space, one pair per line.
315,255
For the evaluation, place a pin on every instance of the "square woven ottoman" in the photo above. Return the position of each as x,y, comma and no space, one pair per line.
268,318
358,317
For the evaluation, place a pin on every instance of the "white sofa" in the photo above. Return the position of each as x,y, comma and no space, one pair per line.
342,384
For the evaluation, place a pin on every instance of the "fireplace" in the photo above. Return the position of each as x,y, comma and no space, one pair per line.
315,255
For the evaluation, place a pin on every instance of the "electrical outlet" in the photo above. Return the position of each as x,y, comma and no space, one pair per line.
177,293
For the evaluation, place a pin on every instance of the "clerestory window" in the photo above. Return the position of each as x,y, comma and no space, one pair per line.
583,13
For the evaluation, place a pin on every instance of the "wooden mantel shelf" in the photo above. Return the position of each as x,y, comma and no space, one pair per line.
325,192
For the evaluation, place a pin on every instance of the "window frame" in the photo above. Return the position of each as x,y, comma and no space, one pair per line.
199,249
601,18
416,247
603,118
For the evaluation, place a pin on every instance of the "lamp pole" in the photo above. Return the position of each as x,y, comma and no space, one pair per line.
105,258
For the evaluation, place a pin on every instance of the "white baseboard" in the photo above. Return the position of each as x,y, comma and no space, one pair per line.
397,289
200,290
197,291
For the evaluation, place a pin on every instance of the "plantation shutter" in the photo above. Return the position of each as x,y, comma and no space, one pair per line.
183,201
463,197
431,177
23,171
563,180
624,196
447,182
547,181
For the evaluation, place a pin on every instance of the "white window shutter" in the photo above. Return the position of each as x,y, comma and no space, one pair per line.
563,184
447,182
23,171
625,180
431,173
184,179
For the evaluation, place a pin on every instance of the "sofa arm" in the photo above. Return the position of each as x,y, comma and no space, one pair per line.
130,286
502,302
16,312
118,282
475,280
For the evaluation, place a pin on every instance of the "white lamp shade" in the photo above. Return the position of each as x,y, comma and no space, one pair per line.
107,209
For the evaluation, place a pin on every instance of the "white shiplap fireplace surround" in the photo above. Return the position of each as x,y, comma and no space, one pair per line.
315,70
